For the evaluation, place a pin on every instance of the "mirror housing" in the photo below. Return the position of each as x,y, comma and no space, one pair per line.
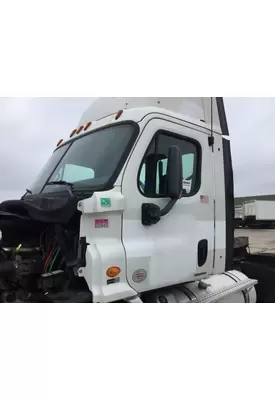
174,173
151,213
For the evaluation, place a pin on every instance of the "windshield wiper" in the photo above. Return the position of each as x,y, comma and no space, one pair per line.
69,185
28,191
65,183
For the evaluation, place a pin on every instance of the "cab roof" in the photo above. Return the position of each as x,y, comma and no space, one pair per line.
205,110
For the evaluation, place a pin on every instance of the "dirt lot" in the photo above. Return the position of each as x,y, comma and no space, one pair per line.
261,240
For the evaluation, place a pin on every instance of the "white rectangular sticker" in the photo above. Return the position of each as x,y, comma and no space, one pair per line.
186,185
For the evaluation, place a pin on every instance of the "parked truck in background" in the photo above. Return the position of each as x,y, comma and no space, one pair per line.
259,213
239,209
255,214
136,206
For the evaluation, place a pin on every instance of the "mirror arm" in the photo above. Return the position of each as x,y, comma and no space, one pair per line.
168,207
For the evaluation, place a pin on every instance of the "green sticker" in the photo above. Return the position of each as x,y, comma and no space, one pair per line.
105,202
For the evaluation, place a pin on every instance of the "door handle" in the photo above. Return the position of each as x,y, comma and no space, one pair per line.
202,252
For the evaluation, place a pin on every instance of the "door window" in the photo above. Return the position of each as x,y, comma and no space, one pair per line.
152,175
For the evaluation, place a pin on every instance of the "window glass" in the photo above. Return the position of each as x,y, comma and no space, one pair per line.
152,177
89,161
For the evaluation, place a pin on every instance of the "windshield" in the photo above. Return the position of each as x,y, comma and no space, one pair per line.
88,162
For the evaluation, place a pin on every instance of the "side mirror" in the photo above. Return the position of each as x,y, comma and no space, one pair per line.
151,213
174,173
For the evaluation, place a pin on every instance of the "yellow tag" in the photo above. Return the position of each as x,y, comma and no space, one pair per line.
18,248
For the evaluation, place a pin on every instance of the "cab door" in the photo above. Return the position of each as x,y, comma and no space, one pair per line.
180,247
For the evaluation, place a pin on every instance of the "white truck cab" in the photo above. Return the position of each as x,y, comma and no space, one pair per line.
154,187
189,242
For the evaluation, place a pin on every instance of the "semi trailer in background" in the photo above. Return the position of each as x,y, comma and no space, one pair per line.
238,216
255,213
259,213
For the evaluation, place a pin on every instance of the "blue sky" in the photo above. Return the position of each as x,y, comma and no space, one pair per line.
31,127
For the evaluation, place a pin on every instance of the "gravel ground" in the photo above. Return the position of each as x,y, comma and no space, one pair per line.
260,240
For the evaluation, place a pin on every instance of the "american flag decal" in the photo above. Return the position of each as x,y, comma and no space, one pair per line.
205,199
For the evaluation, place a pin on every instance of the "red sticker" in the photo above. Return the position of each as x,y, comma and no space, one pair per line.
101,223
